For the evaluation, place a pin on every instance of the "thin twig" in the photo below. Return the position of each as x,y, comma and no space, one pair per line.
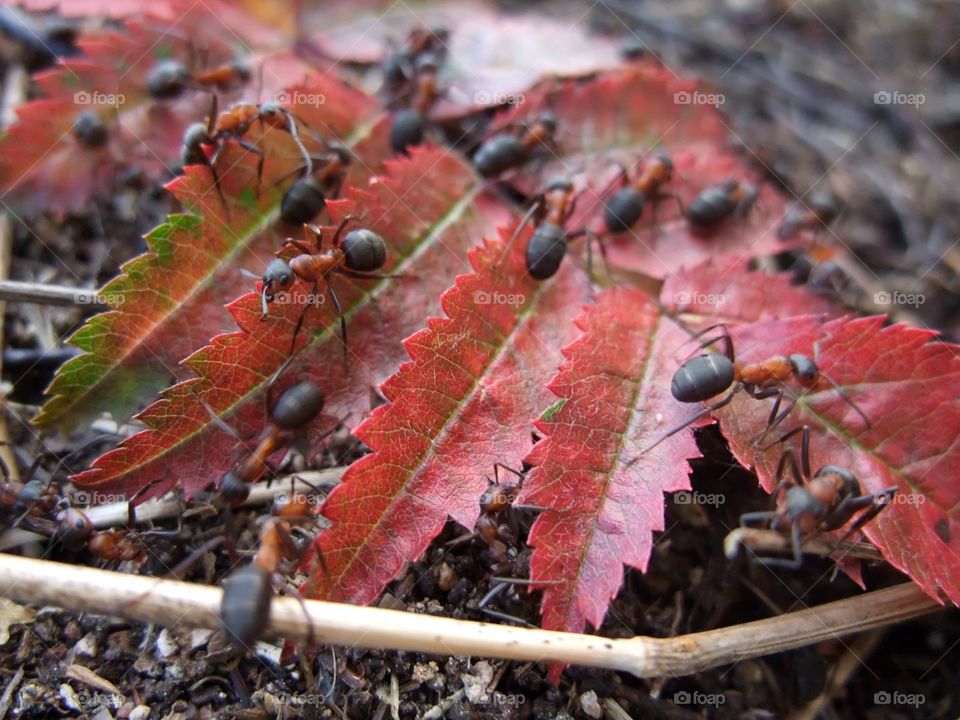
763,542
43,294
170,602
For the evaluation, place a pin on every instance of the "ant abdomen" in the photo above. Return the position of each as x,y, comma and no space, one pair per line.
90,129
245,607
192,152
167,79
498,154
545,251
302,201
234,489
624,209
364,250
711,206
408,130
298,405
702,377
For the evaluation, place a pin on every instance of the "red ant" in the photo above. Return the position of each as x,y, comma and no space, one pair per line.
820,210
825,501
295,408
306,197
248,591
496,500
706,376
400,66
719,202
547,247
507,150
409,124
168,79
626,206
357,256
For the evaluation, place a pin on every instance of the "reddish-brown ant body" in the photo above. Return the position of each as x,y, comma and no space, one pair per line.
168,79
704,377
507,150
297,405
549,212
820,210
719,202
824,501
357,255
626,205
495,502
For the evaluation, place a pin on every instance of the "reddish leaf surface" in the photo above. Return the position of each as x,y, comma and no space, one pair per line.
618,120
169,301
615,384
475,381
907,384
429,210
716,291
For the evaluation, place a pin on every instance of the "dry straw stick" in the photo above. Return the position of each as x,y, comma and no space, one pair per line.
170,603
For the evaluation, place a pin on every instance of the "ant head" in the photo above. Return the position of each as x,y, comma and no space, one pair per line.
663,159
234,490
167,79
549,122
559,184
364,250
804,368
73,528
278,276
195,135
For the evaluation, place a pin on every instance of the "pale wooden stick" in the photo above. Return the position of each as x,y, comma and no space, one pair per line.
170,602
42,294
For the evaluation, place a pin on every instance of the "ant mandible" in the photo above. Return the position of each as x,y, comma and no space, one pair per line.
719,202
507,150
295,408
626,205
357,255
825,501
704,377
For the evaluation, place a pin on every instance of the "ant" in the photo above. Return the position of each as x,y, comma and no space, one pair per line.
821,210
295,408
706,376
508,150
400,66
549,212
495,501
357,255
90,130
307,197
825,501
719,202
74,531
626,206
168,79
248,591
409,124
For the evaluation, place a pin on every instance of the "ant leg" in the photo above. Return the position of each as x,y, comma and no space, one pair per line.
312,300
343,321
840,390
787,460
723,337
535,206
757,517
796,561
301,246
250,147
292,129
335,241
496,473
876,502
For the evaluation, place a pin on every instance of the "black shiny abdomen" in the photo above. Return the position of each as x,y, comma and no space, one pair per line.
90,129
407,130
245,607
702,377
710,207
623,209
298,405
545,251
499,153
302,201
364,250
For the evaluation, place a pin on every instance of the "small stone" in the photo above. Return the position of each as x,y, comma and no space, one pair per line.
166,643
87,646
591,705
140,712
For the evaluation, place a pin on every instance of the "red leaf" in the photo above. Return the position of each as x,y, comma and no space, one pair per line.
168,302
614,388
428,210
464,401
906,382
